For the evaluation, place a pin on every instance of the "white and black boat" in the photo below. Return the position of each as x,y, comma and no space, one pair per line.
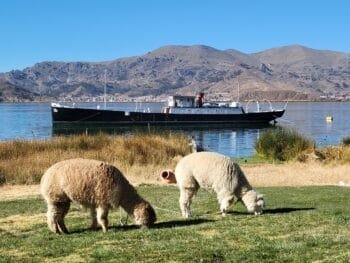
180,110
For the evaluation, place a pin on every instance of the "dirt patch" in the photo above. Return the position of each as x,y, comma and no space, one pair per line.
297,174
11,192
259,175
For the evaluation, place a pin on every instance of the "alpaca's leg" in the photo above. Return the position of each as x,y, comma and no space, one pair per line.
63,208
102,214
225,200
186,195
93,218
55,216
224,204
51,222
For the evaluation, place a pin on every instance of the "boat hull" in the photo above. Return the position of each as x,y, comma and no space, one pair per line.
123,118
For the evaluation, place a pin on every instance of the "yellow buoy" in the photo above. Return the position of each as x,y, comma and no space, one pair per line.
329,118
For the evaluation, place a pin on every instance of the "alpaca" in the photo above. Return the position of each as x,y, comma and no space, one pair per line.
216,171
95,185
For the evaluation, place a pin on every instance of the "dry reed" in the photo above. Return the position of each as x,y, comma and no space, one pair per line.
335,154
24,162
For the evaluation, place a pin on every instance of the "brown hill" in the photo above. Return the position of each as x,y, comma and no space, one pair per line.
314,71
291,72
9,92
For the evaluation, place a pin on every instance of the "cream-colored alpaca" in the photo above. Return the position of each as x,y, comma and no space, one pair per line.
216,171
95,185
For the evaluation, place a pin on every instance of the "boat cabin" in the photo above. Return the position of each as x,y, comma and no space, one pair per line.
186,101
178,104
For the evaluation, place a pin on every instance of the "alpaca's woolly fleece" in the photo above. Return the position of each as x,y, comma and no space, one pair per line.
216,171
95,185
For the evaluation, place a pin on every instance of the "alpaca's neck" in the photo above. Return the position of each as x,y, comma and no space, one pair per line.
130,201
126,195
236,181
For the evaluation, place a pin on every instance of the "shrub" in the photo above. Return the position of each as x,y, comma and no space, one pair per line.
346,140
283,144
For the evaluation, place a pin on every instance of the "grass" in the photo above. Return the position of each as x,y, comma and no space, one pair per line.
283,144
24,162
256,159
299,225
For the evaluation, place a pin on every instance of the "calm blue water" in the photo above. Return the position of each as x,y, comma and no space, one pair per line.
33,121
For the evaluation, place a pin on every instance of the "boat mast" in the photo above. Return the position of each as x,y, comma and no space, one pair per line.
237,91
104,90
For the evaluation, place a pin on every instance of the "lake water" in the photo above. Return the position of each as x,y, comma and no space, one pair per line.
33,121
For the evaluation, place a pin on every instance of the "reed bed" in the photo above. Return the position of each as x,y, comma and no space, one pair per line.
140,155
284,144
335,154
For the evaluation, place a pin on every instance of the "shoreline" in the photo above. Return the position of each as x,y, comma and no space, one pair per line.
162,101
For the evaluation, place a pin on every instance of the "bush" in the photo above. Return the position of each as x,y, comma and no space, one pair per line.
283,144
346,141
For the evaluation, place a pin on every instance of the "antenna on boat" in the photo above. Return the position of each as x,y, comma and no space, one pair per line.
237,90
104,90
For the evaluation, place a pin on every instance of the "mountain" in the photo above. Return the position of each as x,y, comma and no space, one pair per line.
314,71
10,92
290,72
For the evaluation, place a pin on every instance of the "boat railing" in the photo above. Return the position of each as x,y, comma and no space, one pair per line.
270,104
55,104
59,105
137,106
258,108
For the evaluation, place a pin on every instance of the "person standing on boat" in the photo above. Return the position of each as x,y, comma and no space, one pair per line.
199,100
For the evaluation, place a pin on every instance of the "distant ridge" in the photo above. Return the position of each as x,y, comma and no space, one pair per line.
284,73
10,92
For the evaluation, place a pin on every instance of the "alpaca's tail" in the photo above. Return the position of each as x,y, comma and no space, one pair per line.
168,176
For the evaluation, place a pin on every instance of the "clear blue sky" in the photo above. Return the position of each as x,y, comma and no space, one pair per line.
84,30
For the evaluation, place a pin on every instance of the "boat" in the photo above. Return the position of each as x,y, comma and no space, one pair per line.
179,110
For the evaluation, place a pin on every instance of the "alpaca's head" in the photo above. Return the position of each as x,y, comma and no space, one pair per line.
254,202
144,214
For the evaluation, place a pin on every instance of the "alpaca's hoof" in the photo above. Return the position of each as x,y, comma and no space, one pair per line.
186,215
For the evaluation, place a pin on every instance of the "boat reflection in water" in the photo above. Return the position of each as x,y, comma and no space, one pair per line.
231,140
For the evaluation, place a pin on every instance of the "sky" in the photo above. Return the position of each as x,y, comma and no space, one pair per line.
33,31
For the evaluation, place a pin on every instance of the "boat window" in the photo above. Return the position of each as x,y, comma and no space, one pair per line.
184,102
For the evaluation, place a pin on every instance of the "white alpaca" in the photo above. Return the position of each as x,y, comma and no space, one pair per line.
95,185
216,171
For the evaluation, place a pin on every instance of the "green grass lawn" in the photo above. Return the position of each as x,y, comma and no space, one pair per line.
299,225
